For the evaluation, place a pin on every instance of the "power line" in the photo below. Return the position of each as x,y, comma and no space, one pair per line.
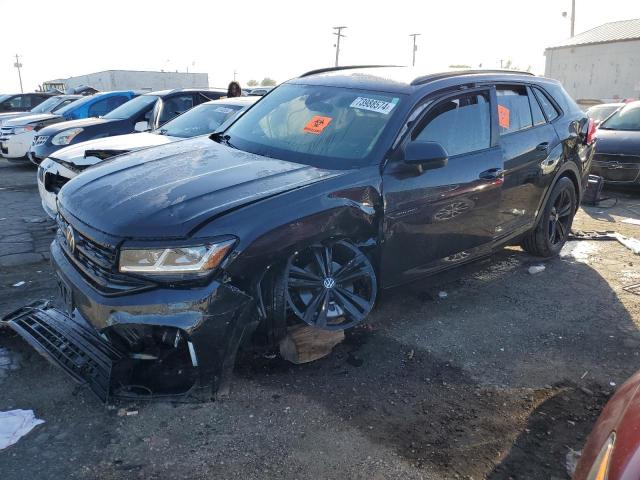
18,65
337,45
415,47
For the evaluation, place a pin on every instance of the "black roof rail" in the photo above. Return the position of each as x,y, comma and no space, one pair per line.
439,76
346,67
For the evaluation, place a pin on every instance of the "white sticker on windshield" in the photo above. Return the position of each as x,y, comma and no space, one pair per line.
374,105
224,110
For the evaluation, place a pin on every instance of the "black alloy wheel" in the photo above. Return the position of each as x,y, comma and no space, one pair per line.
331,286
560,217
554,225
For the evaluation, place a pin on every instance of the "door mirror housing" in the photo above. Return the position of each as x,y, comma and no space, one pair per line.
141,126
428,155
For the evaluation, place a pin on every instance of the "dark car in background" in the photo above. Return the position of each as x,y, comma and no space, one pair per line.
600,113
617,157
146,112
337,184
17,134
50,105
22,102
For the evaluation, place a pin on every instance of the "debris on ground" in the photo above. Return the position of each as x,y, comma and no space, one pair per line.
635,288
15,424
123,412
443,295
535,269
631,243
19,284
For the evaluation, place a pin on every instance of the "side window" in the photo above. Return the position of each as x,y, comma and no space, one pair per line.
104,106
536,111
514,112
174,106
64,103
460,124
549,109
19,102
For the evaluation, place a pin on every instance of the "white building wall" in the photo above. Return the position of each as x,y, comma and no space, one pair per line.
603,71
138,80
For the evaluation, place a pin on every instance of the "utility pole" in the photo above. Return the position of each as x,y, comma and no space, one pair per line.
234,75
415,47
573,18
337,45
18,65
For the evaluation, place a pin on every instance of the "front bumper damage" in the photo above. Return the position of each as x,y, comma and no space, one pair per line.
158,343
72,345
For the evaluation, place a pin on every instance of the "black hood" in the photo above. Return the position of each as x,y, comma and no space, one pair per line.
620,142
168,191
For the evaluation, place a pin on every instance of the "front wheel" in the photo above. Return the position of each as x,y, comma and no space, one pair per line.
552,231
330,286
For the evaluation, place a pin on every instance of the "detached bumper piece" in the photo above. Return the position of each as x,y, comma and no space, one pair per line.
73,346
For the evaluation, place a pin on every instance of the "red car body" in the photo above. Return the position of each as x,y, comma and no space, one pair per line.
619,422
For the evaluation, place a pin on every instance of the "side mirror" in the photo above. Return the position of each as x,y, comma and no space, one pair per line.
141,126
428,155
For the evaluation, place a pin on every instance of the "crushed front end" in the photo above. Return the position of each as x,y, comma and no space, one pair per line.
127,336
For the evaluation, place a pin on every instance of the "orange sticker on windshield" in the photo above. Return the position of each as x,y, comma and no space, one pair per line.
503,116
317,124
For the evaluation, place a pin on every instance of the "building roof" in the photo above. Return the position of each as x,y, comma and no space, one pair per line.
609,32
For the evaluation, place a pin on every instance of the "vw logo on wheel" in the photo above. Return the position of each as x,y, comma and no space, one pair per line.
329,282
70,236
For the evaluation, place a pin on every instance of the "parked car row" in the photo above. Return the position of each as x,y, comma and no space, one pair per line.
333,186
64,164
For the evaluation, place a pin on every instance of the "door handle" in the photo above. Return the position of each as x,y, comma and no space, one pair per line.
543,147
492,174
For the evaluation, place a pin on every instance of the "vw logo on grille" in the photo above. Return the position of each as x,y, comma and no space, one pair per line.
329,282
70,236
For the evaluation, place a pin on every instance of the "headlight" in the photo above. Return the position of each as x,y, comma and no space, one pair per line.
23,129
600,468
66,137
176,260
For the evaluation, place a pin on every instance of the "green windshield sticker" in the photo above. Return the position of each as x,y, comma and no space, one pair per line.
374,105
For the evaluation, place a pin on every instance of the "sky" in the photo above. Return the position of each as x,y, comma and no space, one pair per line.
281,39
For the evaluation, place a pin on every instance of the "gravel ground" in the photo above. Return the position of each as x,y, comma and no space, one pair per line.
497,380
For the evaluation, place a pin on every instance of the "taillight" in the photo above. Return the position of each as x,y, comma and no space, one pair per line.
591,131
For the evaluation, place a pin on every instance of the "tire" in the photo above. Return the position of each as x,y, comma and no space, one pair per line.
554,226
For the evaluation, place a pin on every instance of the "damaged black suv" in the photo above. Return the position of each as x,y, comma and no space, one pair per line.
334,185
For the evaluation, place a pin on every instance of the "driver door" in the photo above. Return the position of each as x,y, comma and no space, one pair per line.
437,218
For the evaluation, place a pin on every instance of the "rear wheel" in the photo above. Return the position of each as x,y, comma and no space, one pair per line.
330,286
552,231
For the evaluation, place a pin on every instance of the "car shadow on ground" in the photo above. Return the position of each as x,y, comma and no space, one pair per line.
455,414
619,201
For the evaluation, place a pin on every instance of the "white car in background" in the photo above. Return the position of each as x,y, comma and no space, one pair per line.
68,162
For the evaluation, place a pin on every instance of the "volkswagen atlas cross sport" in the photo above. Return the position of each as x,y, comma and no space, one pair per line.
334,185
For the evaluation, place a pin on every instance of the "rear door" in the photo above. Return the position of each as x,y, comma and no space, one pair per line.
530,146
437,218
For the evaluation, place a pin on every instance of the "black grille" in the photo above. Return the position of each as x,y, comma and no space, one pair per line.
96,261
616,168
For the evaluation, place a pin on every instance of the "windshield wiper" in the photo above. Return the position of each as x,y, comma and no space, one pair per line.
219,137
163,131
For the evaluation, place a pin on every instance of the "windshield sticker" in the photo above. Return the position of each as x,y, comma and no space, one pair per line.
317,124
503,116
374,105
224,110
